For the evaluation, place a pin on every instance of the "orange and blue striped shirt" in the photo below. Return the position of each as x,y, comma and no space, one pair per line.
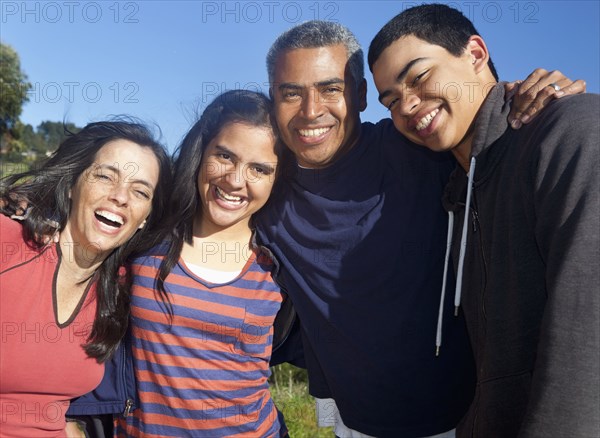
203,374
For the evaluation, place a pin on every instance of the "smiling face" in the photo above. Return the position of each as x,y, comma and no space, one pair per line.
317,104
433,96
111,199
236,176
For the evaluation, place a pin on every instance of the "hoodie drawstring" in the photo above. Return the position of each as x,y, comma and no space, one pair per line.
438,333
461,258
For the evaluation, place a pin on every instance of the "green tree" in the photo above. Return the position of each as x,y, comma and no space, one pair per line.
13,88
32,140
53,133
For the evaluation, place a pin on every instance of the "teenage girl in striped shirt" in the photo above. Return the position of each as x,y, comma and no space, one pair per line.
202,333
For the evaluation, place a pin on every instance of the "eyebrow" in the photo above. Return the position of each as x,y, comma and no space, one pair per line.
320,84
225,150
235,157
401,76
118,172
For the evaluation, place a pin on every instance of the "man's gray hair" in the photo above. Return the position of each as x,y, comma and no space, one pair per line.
313,34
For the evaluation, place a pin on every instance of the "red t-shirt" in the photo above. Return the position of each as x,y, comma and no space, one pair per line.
42,363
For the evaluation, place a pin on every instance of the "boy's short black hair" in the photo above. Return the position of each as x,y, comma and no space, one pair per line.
435,23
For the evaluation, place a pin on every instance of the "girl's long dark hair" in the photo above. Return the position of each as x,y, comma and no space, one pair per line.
45,190
236,106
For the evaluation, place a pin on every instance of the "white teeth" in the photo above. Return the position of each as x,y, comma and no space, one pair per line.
425,121
110,216
227,197
313,132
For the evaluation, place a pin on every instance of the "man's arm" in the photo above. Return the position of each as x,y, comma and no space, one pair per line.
536,92
565,395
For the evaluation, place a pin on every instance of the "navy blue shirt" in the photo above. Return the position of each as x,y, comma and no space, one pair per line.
361,245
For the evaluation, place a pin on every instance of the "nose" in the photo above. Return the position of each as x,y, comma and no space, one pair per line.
312,106
120,193
235,176
408,103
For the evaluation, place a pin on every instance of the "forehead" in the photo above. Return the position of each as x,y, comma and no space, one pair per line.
311,64
247,142
408,48
406,54
127,156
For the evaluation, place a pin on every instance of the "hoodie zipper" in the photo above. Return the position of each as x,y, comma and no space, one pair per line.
477,229
128,401
128,406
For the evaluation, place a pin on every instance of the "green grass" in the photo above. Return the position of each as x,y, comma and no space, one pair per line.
8,168
289,388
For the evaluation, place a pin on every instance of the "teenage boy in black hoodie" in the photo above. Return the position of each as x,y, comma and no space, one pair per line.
527,253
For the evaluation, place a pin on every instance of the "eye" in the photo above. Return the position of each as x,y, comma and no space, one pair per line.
391,105
418,77
143,194
261,170
291,95
103,177
332,90
224,156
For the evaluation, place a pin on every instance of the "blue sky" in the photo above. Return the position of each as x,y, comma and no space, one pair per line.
163,61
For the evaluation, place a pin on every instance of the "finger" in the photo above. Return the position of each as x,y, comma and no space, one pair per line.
524,95
531,81
527,105
577,87
511,88
549,82
549,93
18,217
534,108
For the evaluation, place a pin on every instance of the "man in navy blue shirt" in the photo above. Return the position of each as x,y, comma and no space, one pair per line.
360,232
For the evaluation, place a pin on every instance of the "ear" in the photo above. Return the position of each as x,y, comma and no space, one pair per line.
362,95
478,53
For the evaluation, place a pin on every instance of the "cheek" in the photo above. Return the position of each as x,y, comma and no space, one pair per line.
266,187
147,212
210,170
81,194
283,116
143,212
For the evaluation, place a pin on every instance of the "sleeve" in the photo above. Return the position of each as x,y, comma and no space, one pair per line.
565,395
13,248
11,230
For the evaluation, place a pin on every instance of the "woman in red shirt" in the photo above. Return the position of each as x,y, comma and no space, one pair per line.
64,305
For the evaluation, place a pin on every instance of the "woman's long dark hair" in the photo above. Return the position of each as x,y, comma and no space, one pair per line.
45,190
235,106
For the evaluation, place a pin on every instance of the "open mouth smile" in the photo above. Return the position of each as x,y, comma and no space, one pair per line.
426,121
230,199
313,132
110,219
